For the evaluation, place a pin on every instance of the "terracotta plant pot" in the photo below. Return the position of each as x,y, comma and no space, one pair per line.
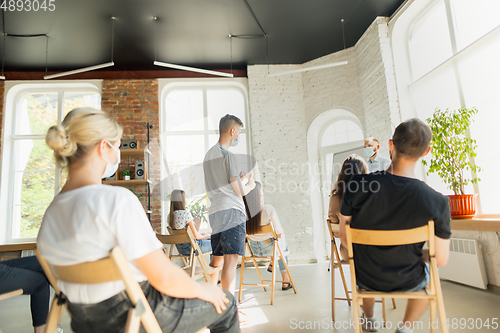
463,204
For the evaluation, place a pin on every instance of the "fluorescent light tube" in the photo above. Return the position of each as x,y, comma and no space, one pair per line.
192,69
335,64
81,70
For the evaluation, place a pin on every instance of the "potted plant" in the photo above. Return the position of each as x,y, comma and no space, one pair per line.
126,174
452,150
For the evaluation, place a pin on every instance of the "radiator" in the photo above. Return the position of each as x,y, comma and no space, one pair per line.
466,264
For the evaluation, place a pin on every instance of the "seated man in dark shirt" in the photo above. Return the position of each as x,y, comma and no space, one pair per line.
396,200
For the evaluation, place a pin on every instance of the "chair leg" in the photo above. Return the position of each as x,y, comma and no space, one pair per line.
55,315
133,322
434,325
356,316
384,313
240,292
333,290
393,303
342,276
258,273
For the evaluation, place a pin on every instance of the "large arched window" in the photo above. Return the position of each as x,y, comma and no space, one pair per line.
446,56
30,176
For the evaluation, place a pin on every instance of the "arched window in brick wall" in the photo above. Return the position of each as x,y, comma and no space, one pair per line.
30,176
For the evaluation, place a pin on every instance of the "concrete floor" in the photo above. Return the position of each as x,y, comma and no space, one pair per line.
309,309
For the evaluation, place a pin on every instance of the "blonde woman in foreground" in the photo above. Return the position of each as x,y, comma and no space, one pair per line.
87,219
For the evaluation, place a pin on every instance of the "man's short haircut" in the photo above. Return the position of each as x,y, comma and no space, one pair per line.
372,139
412,138
227,122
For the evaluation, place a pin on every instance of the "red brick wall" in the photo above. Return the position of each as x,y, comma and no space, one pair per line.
134,103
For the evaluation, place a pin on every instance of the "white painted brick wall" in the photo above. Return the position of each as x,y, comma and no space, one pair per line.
378,82
283,107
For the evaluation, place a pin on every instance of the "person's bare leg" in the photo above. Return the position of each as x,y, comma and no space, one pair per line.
368,304
285,277
216,262
40,329
414,310
228,276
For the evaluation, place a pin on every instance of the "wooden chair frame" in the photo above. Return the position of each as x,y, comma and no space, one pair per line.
264,229
336,263
433,291
186,236
113,268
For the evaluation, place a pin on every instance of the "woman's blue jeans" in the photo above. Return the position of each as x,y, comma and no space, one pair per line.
265,249
204,244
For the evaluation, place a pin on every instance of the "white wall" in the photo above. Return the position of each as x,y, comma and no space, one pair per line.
283,107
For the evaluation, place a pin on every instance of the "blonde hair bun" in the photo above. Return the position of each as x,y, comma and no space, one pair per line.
59,142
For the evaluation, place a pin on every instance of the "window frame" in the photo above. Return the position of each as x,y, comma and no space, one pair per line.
16,92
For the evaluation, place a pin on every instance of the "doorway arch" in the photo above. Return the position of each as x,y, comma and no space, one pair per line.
333,133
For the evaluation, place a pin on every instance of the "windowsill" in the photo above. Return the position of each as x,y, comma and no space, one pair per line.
17,247
477,223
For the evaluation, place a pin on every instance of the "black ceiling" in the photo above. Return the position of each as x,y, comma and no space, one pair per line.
188,32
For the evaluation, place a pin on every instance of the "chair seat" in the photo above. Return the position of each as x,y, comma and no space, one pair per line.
424,293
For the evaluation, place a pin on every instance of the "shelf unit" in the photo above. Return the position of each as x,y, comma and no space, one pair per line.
136,153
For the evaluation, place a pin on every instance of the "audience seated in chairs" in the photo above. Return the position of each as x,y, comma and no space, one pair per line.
180,218
352,165
262,245
87,219
27,274
396,200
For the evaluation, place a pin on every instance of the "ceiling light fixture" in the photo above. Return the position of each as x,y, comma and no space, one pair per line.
312,68
185,68
91,68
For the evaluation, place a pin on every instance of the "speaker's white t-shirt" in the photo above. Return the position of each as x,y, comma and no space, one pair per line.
85,224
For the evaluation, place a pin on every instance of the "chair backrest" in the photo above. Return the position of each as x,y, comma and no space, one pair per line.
391,237
113,268
177,237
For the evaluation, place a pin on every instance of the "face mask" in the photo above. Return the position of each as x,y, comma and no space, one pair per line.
369,152
235,143
111,168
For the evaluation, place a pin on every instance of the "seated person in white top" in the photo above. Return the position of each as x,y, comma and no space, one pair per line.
375,161
87,219
262,244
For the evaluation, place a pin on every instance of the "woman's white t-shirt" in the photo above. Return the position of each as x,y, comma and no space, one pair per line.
182,218
85,224
269,214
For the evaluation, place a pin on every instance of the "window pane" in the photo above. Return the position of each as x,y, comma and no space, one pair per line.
33,187
483,94
32,155
430,43
36,114
184,110
73,100
341,131
185,150
27,220
474,19
224,101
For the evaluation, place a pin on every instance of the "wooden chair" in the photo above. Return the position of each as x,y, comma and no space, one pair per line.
10,294
113,268
186,236
186,259
336,263
392,238
276,255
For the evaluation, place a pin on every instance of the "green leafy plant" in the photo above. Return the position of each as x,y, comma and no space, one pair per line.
452,148
138,195
126,173
199,208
